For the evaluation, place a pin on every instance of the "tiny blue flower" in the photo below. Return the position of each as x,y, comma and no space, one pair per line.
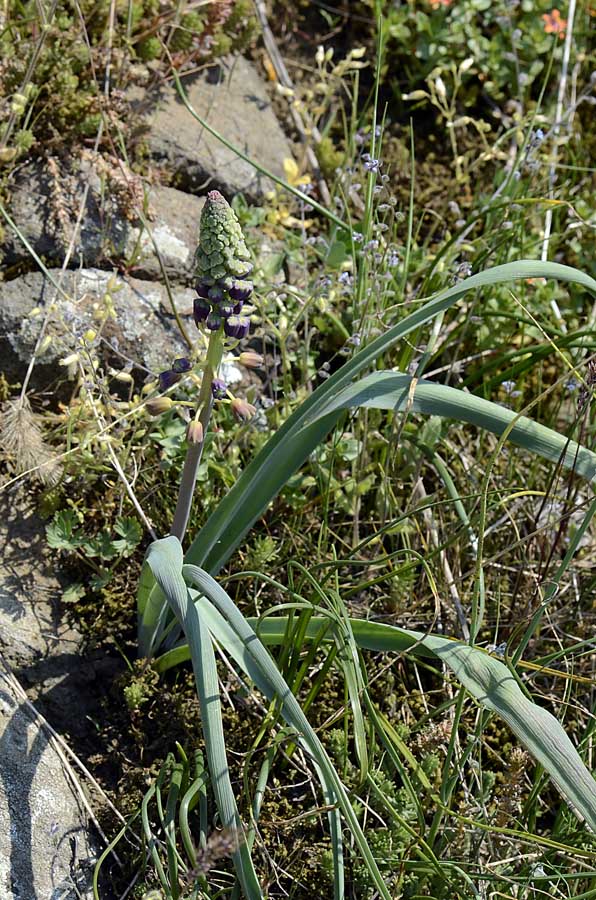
371,245
370,164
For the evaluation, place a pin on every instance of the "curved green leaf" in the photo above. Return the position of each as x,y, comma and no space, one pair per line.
164,557
487,679
394,390
292,444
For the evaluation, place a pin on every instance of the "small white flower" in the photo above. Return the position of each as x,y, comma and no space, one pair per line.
440,88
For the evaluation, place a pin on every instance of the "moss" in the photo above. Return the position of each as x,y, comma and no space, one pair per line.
149,49
142,685
61,98
191,25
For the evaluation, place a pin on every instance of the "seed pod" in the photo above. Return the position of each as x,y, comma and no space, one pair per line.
250,359
242,409
158,405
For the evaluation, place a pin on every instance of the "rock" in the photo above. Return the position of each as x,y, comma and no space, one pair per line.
45,201
232,98
137,332
45,848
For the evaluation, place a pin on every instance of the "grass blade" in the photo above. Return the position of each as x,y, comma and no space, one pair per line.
248,651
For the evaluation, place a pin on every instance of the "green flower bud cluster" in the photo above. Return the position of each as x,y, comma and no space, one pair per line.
222,251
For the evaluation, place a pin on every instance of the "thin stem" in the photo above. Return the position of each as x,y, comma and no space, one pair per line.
195,451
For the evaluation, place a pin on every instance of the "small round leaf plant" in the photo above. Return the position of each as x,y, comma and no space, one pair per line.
221,311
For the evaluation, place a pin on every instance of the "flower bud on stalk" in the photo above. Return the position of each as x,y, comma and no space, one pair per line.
194,434
222,266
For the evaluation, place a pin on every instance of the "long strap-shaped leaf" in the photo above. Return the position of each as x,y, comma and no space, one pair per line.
242,643
394,390
486,678
165,559
292,444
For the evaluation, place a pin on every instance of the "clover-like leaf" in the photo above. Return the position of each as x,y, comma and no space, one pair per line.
62,533
130,533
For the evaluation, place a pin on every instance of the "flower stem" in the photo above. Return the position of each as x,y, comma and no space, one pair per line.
195,451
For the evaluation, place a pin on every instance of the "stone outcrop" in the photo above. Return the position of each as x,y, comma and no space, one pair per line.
232,98
45,848
140,330
143,229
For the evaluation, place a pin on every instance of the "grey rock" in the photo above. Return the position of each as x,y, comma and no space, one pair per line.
125,221
232,98
45,848
133,319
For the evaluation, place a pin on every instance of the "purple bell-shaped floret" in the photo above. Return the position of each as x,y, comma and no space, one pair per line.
200,310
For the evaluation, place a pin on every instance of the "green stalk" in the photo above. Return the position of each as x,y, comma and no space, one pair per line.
195,451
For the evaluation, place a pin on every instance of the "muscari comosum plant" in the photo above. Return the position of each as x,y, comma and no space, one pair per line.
183,613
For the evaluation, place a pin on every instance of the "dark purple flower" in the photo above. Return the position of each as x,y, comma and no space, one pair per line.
225,309
219,388
237,327
213,321
167,379
241,290
202,289
216,293
238,308
181,365
200,310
